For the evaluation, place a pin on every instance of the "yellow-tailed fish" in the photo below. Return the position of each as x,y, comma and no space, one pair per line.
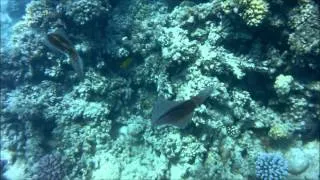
58,41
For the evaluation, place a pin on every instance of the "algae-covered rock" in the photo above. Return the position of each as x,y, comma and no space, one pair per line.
282,85
298,162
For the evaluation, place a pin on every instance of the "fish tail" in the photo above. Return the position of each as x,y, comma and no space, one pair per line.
77,64
202,96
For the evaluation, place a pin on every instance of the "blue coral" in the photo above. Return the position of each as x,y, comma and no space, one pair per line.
271,166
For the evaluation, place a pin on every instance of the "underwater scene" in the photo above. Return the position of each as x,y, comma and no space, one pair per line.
160,90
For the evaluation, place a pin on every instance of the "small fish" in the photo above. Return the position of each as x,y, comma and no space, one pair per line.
58,41
126,63
177,113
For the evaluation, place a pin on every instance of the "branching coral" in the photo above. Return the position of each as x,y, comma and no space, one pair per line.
39,14
283,84
304,20
49,167
252,12
83,12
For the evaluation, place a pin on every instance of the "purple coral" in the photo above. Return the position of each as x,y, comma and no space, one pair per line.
271,166
49,167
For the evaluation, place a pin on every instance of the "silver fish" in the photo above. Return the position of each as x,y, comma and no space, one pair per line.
177,113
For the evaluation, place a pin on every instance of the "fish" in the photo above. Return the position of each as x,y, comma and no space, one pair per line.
126,63
58,41
177,113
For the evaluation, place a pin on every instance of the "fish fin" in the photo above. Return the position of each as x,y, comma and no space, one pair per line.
184,122
77,64
202,96
63,34
161,106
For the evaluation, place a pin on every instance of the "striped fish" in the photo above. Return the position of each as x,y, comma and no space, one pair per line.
58,41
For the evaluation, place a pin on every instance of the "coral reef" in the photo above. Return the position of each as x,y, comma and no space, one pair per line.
279,131
304,21
282,84
252,12
301,161
83,12
50,166
39,14
260,57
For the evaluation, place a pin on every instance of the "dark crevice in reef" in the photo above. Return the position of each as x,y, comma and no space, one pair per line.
266,36
171,4
46,131
114,3
310,131
306,73
259,85
174,69
114,132
272,37
243,38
